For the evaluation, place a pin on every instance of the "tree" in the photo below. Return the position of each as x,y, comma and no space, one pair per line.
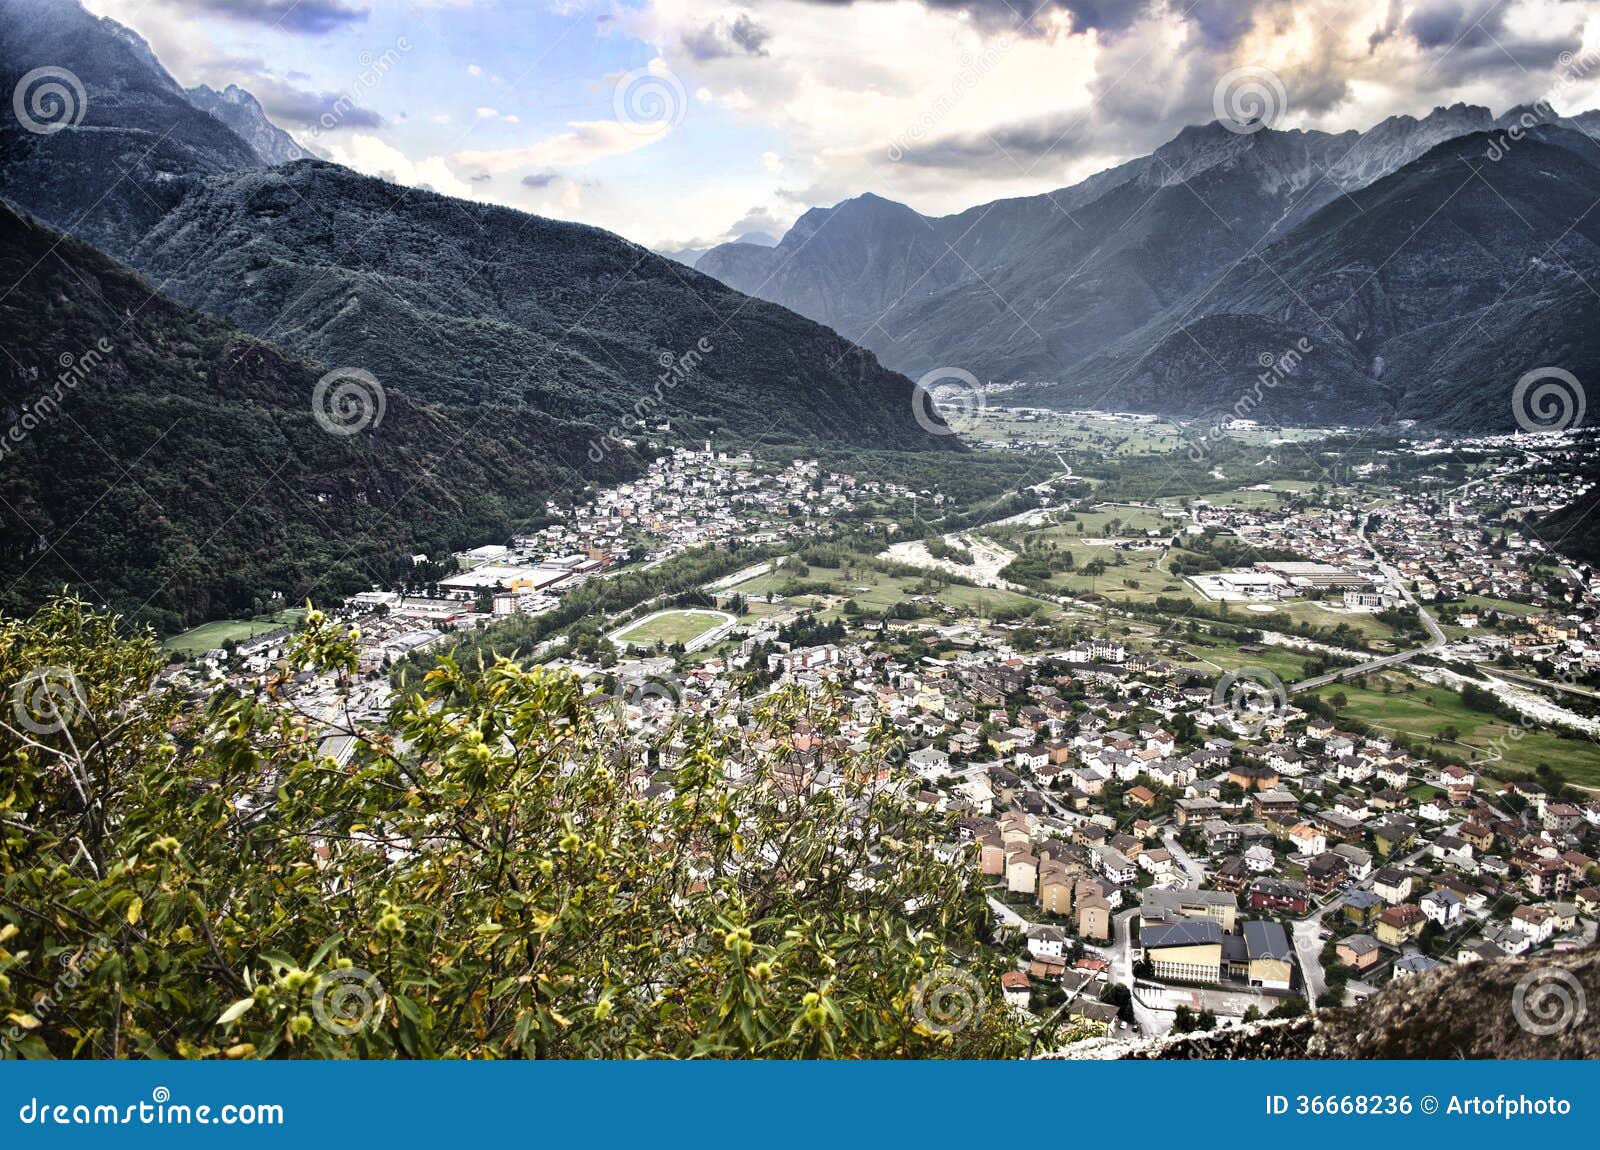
1122,998
1289,1008
481,879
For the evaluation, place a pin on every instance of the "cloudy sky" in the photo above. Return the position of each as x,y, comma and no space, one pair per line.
684,122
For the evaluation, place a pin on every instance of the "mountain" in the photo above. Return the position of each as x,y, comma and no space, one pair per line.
460,302
446,300
690,257
1574,530
1077,287
130,143
519,357
173,467
1423,296
243,113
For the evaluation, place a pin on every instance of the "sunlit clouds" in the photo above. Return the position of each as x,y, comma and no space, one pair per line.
677,122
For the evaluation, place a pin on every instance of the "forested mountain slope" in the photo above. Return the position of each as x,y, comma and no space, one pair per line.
1424,296
174,467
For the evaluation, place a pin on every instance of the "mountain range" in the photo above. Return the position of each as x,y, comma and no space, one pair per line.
519,357
691,256
1421,259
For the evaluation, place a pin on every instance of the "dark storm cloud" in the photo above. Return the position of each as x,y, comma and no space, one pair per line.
1390,25
1468,39
719,39
1221,23
330,110
1109,16
309,17
1441,23
1020,143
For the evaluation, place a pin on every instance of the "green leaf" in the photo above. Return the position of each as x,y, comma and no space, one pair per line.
328,944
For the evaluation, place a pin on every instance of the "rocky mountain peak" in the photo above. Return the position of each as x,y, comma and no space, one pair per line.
242,112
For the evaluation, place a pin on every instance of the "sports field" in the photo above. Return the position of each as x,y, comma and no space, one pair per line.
671,627
210,636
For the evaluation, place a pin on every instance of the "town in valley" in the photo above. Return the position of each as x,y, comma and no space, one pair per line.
1210,756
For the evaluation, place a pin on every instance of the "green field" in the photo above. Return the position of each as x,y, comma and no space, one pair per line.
671,627
1282,490
1424,711
1288,665
1103,435
1130,522
210,636
873,591
1471,603
1367,626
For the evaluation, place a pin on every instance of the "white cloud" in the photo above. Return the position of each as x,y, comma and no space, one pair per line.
374,157
583,143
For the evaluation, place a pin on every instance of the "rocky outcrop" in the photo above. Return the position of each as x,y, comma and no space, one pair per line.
1505,1009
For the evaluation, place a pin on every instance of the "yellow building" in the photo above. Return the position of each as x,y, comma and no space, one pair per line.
1189,950
1094,917
1055,888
